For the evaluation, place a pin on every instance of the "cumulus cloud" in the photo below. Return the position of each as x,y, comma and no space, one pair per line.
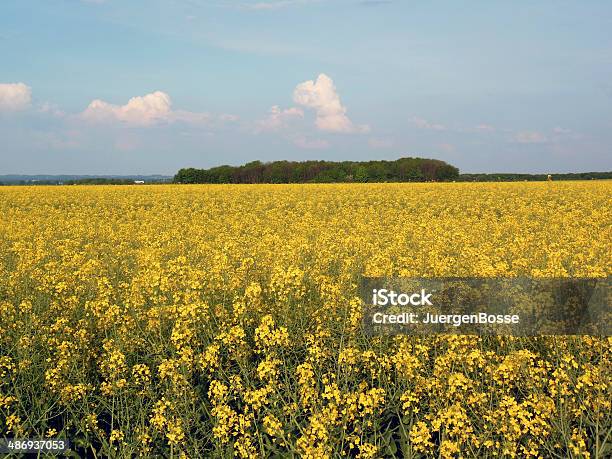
424,124
15,96
140,110
530,137
147,110
278,119
321,95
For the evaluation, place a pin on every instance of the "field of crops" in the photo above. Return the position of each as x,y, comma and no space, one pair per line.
220,320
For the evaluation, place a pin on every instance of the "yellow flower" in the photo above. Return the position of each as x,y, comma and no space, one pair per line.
116,436
13,424
272,425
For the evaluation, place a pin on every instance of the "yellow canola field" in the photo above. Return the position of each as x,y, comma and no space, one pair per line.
220,321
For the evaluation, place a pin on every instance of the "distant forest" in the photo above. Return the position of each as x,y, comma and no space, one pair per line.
401,170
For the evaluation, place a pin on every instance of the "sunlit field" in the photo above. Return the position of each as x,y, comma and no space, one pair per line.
220,321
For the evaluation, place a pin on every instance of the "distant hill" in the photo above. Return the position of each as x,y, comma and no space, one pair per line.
14,179
401,170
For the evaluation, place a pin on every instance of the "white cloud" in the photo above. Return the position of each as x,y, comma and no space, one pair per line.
424,124
147,110
380,143
278,119
530,137
311,144
15,96
140,110
321,96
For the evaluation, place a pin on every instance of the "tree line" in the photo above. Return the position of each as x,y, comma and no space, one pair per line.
127,180
401,170
507,177
88,181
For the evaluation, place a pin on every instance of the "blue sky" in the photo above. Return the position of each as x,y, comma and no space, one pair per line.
150,86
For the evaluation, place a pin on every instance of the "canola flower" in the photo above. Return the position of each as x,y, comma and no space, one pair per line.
224,321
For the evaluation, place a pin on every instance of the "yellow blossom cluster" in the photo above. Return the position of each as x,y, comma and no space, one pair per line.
225,321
